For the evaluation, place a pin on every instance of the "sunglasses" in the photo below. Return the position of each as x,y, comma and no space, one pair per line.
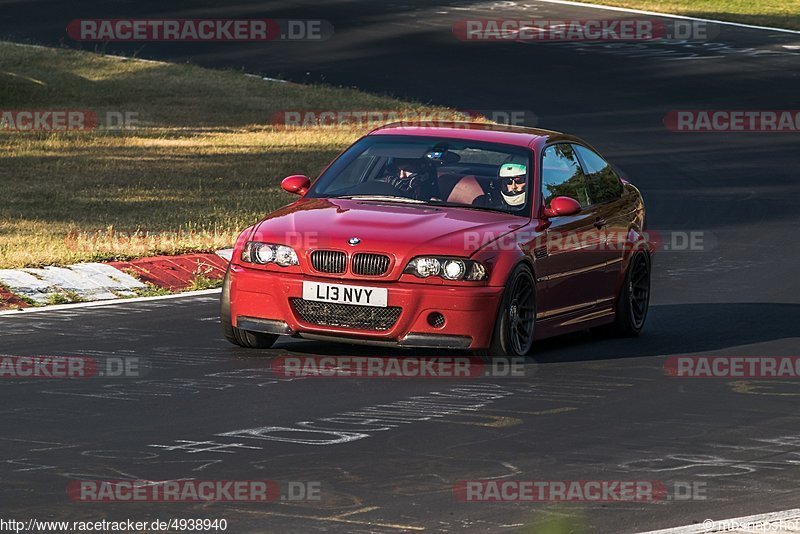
519,180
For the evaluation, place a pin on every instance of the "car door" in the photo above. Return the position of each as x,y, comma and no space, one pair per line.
567,260
612,219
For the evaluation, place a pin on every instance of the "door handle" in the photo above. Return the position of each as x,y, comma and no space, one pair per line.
599,222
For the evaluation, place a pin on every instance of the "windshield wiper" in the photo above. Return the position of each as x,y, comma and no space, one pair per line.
387,198
465,206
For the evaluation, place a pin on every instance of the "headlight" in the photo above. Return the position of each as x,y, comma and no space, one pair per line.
425,267
285,256
447,268
454,269
264,253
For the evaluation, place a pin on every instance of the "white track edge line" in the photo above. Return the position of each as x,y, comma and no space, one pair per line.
99,303
670,15
699,528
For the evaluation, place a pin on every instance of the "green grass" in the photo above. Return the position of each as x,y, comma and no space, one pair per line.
204,163
776,13
64,297
151,290
202,282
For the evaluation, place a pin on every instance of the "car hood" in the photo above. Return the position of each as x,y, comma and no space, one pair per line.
399,229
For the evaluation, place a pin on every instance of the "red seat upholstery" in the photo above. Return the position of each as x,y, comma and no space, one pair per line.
465,190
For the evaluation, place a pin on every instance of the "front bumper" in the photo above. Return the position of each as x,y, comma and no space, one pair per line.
260,301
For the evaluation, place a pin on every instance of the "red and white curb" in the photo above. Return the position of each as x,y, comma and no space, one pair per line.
175,272
108,281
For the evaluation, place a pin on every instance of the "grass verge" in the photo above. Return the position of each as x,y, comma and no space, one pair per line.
203,162
775,13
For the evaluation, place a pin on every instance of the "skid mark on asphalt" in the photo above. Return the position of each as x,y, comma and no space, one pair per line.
554,411
765,387
499,421
55,445
407,472
26,466
160,463
340,518
757,455
491,421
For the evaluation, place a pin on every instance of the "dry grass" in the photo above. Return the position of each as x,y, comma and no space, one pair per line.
203,163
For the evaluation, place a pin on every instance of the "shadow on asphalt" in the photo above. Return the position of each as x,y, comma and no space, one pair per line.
672,329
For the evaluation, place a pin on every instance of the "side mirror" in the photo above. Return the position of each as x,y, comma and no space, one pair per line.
562,207
296,183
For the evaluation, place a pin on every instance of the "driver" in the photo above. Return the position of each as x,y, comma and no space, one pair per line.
401,173
513,182
412,176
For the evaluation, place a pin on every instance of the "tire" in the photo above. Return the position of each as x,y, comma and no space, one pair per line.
237,336
634,297
516,319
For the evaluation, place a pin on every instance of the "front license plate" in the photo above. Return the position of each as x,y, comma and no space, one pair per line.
341,294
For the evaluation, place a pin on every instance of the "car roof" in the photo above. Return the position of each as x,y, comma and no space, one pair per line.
475,131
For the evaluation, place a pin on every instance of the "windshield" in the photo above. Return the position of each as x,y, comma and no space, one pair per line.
427,170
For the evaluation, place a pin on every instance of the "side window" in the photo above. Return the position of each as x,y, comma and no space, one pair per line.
562,175
604,184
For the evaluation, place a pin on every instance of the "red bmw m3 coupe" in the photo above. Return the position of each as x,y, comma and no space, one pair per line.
456,236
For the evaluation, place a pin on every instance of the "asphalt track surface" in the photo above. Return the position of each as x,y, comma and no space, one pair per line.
586,409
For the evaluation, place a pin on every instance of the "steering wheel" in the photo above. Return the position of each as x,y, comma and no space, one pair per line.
406,184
